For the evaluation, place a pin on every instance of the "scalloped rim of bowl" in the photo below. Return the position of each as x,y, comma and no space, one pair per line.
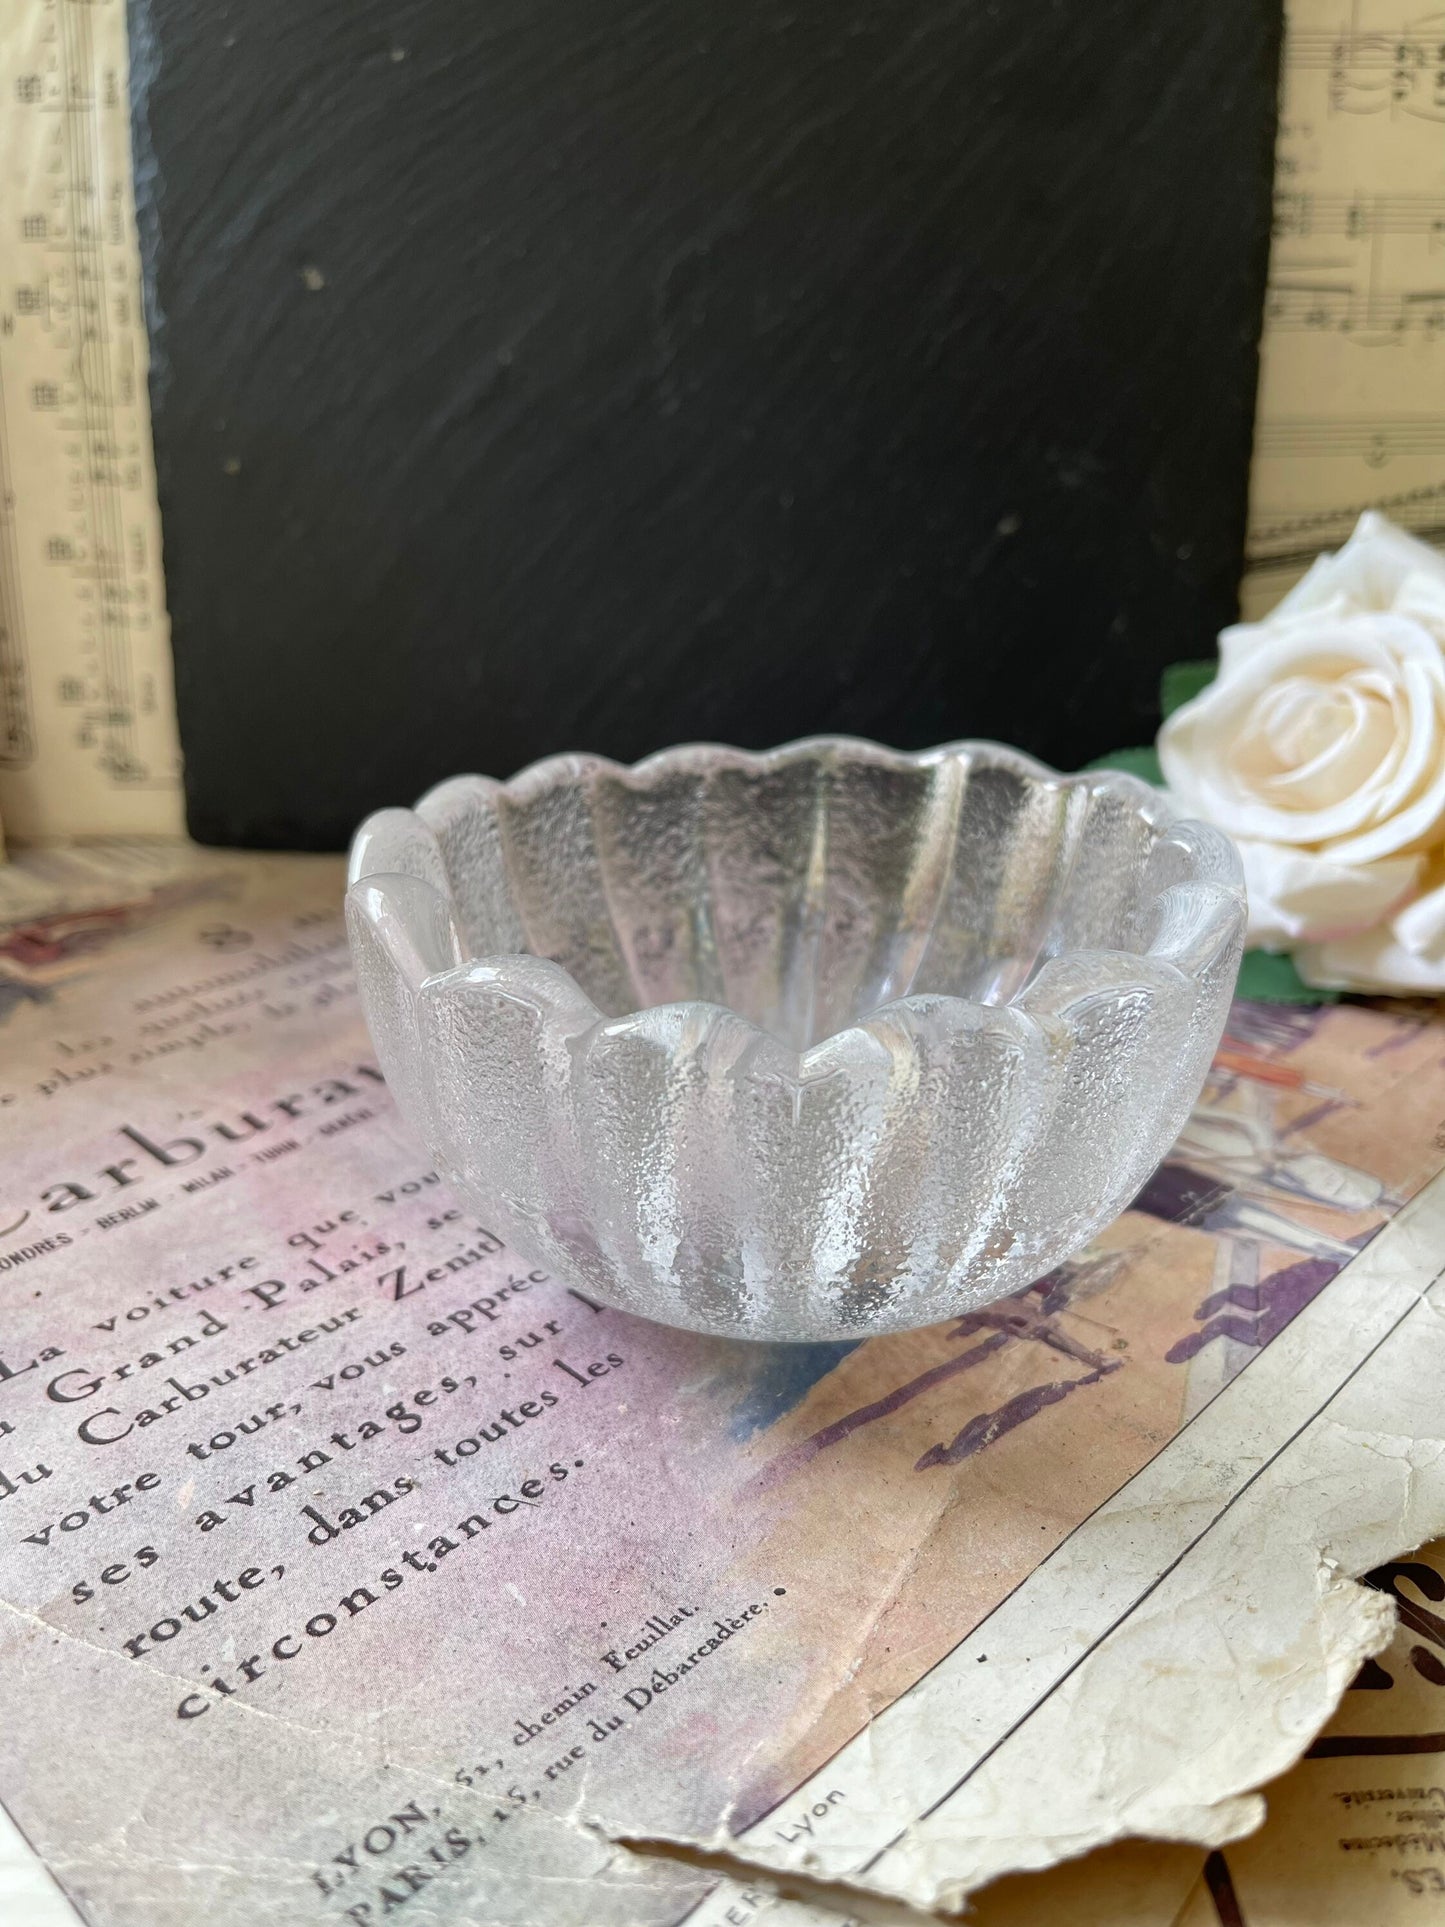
399,885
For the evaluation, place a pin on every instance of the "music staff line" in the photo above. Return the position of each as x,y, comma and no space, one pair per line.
1417,46
1355,294
1291,542
1277,536
1369,315
1300,214
1376,442
1397,71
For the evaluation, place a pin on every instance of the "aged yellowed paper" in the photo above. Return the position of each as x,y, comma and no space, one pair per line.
1356,1832
348,1564
88,742
1351,410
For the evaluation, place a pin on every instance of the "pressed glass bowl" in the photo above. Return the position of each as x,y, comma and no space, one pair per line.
817,1043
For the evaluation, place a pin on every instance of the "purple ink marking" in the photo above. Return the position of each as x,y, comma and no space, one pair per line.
988,1427
786,1463
1278,1299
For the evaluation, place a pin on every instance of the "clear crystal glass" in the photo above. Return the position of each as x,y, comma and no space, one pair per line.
817,1043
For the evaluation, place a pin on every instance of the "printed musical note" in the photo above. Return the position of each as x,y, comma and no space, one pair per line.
87,725
1374,70
1351,411
1368,315
1376,442
1300,215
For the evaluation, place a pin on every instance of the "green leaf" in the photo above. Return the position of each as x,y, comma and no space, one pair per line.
1269,977
1135,762
1182,682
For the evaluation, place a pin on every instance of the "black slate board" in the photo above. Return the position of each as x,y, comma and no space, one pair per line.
547,374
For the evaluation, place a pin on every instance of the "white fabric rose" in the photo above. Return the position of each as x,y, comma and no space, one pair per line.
1320,748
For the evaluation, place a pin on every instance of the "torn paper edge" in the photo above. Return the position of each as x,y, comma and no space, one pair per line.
1181,1647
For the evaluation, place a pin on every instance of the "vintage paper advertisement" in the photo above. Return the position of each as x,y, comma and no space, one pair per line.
352,1568
1355,1832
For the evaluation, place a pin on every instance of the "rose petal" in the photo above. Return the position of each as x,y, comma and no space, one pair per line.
1238,643
1197,743
1379,568
1407,954
1405,814
1321,747
1296,894
1374,960
1420,926
1326,739
1369,572
1422,600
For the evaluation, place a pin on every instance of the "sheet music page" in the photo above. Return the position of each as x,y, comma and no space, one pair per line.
1351,410
88,741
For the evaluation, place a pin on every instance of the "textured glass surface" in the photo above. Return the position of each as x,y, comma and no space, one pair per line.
809,1044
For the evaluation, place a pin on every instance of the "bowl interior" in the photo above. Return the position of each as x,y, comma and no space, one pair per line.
805,889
